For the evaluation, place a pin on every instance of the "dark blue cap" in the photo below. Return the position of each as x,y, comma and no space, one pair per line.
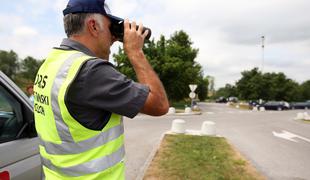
89,6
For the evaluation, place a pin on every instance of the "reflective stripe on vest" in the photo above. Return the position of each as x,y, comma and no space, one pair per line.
73,155
89,167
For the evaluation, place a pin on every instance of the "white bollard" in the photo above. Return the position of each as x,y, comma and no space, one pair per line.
262,109
208,128
300,116
178,126
188,110
237,106
171,110
255,108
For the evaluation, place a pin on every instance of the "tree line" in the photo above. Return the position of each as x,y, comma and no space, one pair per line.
173,59
21,71
254,85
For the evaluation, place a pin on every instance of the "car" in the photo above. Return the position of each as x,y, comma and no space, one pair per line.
253,103
275,105
300,105
221,100
19,152
233,99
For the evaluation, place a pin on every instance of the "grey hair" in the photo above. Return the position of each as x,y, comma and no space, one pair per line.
75,23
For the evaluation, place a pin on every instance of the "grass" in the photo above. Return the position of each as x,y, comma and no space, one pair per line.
198,158
241,106
180,105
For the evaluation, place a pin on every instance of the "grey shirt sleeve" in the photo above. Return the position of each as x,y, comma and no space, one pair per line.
105,88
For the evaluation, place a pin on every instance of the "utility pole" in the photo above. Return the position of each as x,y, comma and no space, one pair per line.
263,53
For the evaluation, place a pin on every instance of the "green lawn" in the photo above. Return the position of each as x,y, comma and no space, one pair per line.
198,158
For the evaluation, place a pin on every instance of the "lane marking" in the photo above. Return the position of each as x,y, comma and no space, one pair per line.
289,136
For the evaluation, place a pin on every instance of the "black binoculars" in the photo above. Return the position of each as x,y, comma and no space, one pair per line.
117,29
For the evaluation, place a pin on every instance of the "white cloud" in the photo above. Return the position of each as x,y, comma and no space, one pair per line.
226,32
24,32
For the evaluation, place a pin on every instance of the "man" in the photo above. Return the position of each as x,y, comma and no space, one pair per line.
82,97
29,90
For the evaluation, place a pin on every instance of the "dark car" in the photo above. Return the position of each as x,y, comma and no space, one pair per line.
221,100
275,105
300,105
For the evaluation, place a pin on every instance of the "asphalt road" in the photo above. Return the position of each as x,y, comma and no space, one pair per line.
276,144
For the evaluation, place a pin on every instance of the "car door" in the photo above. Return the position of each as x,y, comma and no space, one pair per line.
19,154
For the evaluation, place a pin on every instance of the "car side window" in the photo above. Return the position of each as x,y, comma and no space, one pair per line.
10,119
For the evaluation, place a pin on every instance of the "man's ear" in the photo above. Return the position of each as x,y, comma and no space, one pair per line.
93,27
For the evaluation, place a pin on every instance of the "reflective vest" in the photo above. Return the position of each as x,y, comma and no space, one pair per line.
68,149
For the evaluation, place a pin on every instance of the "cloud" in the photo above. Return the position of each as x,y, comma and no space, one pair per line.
24,32
227,33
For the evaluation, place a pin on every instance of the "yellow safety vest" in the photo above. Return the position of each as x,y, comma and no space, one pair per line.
68,149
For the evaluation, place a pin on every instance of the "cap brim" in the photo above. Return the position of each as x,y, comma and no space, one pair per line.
115,19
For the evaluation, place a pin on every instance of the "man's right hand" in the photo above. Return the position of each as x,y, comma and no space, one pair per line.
156,103
133,39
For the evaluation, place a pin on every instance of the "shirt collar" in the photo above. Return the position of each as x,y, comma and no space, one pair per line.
71,44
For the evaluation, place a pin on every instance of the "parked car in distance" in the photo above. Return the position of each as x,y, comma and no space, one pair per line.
275,105
233,99
19,152
221,100
253,103
300,105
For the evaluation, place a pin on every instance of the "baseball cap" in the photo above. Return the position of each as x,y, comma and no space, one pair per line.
90,6
100,6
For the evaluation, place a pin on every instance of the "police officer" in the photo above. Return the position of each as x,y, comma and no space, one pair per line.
82,97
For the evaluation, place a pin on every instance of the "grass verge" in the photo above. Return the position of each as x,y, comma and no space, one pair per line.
199,157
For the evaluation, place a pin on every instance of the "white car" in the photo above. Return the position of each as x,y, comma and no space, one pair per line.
19,153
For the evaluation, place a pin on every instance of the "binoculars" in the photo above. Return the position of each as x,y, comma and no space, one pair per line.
117,29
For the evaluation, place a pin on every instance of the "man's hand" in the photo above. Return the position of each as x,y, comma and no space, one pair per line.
156,103
133,38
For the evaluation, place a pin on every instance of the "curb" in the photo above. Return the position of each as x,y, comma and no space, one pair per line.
149,159
185,114
151,156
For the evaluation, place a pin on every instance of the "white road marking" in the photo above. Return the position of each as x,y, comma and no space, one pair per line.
289,136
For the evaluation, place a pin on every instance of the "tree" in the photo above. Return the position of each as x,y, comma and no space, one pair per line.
254,85
250,86
202,89
9,64
29,68
173,60
305,90
227,91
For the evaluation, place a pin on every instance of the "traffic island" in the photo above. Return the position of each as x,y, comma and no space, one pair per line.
196,154
198,157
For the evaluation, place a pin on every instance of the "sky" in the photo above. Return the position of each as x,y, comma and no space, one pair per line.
226,32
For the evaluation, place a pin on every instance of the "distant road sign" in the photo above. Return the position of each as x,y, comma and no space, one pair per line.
192,95
193,87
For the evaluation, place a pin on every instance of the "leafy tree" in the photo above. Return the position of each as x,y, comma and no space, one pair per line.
173,60
9,64
227,91
202,89
250,86
305,90
254,85
29,68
